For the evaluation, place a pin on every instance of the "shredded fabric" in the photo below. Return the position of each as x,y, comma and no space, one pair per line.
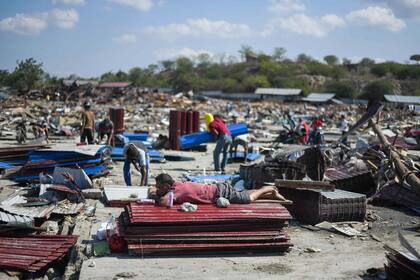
188,207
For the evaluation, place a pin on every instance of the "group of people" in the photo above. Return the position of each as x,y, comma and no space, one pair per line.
105,127
167,190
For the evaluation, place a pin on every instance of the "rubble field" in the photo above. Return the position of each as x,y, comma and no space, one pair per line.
354,207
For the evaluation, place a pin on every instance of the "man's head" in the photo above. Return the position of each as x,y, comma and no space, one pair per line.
87,105
164,183
133,153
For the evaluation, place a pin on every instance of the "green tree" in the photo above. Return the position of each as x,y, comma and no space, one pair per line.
304,58
366,61
278,54
183,77
346,61
4,78
341,89
136,76
415,57
26,75
377,89
246,52
380,70
255,81
331,59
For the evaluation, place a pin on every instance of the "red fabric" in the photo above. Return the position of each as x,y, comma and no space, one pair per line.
317,123
218,127
194,193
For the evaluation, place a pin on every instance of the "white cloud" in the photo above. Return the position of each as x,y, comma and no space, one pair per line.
64,18
286,6
69,2
125,39
24,24
305,25
184,52
200,26
376,17
141,5
402,8
333,21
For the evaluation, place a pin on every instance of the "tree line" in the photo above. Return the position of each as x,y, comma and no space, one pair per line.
364,79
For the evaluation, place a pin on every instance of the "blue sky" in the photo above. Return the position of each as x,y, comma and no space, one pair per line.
90,37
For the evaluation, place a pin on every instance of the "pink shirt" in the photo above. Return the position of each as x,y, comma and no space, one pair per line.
194,193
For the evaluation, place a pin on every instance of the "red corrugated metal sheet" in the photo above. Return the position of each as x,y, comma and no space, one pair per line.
250,227
206,213
34,252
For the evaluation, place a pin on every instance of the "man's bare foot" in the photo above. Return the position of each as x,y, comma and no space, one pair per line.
277,196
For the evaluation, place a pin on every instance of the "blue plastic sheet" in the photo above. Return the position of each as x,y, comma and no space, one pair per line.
195,139
136,136
4,165
155,156
250,157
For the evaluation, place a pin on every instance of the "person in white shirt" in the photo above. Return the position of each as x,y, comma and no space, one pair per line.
344,127
139,157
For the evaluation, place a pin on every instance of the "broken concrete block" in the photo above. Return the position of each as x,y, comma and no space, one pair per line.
92,193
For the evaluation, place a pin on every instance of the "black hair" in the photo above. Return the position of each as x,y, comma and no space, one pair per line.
164,179
132,152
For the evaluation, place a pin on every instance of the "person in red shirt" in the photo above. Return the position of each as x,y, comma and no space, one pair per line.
208,194
224,139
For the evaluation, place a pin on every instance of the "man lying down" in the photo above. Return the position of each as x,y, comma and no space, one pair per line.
207,194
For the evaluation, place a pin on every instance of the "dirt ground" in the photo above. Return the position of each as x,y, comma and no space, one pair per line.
337,256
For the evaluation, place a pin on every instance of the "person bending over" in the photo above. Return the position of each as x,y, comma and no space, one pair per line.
138,156
208,194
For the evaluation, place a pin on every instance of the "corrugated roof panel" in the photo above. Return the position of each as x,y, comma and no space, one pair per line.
319,97
403,99
278,91
35,252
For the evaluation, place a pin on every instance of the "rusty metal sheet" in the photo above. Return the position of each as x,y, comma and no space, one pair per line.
33,252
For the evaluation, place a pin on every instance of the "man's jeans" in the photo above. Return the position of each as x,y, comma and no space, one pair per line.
127,173
222,146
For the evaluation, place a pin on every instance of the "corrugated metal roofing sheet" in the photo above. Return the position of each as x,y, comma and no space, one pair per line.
114,85
116,195
278,91
35,252
403,99
207,213
319,97
12,219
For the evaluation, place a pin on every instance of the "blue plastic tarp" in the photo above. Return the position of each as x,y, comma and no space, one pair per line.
155,156
250,156
88,170
4,165
136,136
195,139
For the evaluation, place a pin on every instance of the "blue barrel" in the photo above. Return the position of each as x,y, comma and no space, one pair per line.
196,139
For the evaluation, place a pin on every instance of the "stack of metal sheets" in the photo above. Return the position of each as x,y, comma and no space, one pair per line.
246,227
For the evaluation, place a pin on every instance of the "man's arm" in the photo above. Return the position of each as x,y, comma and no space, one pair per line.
143,175
163,200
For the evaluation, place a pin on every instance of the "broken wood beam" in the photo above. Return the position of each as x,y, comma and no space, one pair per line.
308,185
402,171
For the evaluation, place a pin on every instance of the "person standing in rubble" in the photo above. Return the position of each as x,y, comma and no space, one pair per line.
344,127
106,127
303,131
137,155
88,124
224,139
